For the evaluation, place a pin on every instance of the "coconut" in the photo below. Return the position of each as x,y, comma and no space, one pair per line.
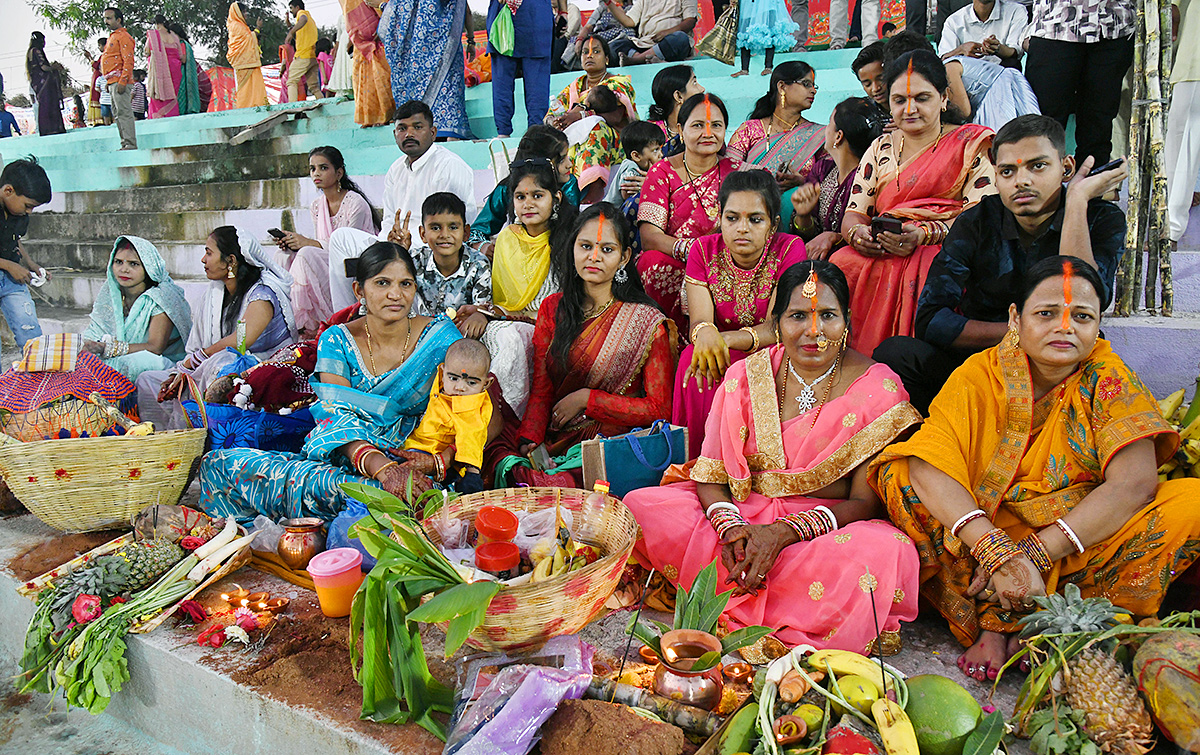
943,714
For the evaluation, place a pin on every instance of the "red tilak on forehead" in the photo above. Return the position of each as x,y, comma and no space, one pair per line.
908,86
707,116
1068,271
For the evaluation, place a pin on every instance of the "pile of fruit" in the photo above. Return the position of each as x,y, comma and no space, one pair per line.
1186,419
837,702
553,557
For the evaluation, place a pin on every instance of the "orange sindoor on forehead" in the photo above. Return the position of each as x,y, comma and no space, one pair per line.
599,228
707,116
908,87
1068,271
810,290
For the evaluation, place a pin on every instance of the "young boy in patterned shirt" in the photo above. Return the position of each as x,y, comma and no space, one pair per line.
451,278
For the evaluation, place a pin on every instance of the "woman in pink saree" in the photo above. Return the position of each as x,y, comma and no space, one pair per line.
730,284
373,103
923,174
680,202
165,70
779,496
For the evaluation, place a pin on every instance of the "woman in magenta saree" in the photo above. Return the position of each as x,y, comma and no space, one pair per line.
164,71
779,495
680,202
925,173
730,284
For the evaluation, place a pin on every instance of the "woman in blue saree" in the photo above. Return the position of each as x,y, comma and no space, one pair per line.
141,319
372,378
422,40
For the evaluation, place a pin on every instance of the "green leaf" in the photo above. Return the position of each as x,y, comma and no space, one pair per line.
707,661
644,634
743,637
458,600
987,735
461,627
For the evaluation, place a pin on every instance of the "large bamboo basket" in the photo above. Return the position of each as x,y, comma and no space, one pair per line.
526,616
85,484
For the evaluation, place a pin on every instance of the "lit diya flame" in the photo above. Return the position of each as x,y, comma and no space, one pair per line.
1068,271
738,672
236,596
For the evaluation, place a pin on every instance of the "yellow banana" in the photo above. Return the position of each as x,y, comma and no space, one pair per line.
1169,405
1191,431
1191,451
1168,466
1195,470
542,570
895,729
844,662
560,562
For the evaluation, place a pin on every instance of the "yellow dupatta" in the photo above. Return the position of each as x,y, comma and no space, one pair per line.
520,265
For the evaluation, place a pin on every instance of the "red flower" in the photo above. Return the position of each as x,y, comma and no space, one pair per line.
1109,388
135,473
86,608
191,543
62,474
32,478
171,465
118,601
214,636
192,610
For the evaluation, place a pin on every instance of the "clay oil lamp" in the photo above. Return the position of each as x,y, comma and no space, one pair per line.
275,605
236,597
738,673
647,654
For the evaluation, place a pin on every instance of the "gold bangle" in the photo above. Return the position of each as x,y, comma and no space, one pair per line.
853,228
695,330
385,466
362,462
753,337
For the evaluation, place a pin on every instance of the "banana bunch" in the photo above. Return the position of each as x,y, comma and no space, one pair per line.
849,663
1186,419
560,555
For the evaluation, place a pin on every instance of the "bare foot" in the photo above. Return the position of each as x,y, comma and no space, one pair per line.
984,659
735,74
768,71
1014,647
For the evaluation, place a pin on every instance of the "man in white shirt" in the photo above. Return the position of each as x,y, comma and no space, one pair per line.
986,29
664,29
424,169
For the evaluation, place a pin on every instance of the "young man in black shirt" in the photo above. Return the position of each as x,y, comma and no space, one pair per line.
963,307
23,186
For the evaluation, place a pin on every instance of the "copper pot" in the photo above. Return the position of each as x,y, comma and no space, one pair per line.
302,539
674,679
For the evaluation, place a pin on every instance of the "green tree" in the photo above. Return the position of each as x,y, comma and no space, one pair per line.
204,21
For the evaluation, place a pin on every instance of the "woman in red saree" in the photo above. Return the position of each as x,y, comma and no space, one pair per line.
924,173
779,494
603,356
730,290
680,202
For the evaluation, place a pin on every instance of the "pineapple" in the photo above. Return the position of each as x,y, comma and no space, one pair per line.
106,577
1096,685
148,560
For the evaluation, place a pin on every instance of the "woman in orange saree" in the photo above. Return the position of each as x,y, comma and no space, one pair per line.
1037,468
603,356
246,58
373,103
779,494
924,173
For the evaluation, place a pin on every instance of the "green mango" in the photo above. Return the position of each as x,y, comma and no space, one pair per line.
739,732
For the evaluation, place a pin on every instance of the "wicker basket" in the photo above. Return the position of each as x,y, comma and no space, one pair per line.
85,484
526,616
78,418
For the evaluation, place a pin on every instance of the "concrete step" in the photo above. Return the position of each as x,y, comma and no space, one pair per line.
77,291
1163,351
230,195
161,226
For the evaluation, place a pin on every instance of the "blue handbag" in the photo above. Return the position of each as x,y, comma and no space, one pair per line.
636,459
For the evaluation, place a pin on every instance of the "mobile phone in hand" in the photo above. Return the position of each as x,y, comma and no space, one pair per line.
1110,165
275,233
887,223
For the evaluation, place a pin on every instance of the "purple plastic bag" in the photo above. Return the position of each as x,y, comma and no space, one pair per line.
506,718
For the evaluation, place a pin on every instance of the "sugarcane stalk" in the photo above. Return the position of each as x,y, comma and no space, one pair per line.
1130,278
1166,51
686,717
1153,156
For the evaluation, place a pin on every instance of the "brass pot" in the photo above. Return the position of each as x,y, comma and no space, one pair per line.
301,540
674,679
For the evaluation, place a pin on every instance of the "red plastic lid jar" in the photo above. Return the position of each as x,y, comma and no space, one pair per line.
495,525
498,558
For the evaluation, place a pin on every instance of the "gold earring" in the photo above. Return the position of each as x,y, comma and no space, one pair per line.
1014,338
231,274
782,99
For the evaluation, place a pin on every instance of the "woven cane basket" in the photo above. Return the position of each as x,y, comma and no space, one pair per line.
84,484
526,616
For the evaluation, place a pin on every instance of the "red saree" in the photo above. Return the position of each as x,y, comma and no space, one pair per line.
624,355
936,184
685,210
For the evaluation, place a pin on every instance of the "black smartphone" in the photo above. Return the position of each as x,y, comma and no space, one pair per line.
275,233
887,223
1107,166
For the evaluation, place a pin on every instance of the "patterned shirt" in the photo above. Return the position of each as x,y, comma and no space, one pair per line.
1083,20
471,283
978,272
139,97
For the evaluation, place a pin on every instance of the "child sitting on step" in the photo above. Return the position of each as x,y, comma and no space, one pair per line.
452,278
457,417
24,186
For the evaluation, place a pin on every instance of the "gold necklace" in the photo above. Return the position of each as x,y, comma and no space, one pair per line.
711,212
775,118
371,350
597,312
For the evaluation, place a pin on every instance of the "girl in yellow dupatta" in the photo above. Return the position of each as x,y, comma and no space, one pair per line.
246,58
1054,482
522,274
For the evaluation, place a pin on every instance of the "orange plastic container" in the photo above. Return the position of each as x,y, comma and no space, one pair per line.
495,525
336,574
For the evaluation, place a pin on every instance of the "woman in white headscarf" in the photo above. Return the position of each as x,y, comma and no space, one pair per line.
246,306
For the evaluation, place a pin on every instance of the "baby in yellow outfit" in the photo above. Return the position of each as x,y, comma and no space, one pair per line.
458,414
